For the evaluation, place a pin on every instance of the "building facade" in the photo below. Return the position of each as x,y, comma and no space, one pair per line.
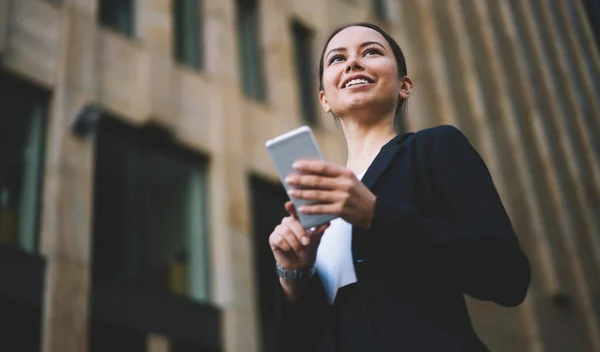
136,195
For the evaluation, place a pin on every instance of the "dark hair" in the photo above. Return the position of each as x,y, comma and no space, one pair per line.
398,55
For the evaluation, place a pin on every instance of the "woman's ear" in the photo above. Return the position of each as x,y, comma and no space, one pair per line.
406,87
324,103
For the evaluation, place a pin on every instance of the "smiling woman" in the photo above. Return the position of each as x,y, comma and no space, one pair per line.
419,221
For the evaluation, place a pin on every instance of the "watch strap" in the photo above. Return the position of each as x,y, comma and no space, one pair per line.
294,274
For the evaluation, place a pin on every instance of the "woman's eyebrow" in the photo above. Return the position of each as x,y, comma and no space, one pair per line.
361,46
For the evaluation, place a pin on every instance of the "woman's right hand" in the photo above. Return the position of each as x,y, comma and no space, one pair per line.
293,246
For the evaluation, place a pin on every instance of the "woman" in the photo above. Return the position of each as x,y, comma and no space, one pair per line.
420,222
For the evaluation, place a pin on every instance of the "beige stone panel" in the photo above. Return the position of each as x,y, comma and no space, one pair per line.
157,343
161,87
123,82
220,239
66,306
314,13
192,95
566,217
221,42
343,12
154,23
67,198
82,73
34,40
89,6
243,336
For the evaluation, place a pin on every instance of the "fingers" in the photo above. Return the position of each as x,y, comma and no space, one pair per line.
332,208
311,181
297,229
319,195
291,209
319,167
284,239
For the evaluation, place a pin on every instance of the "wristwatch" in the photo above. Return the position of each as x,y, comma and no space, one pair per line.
294,274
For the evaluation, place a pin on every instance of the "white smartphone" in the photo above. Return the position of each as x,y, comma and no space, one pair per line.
285,150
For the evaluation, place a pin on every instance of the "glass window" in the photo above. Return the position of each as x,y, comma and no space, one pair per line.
117,15
22,139
188,32
150,211
250,49
307,94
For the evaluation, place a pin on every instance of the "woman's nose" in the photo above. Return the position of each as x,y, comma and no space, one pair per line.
353,64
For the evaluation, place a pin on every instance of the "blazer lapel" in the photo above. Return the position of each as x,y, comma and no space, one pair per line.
383,159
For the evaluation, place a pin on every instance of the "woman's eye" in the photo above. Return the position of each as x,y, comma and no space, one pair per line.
372,51
335,59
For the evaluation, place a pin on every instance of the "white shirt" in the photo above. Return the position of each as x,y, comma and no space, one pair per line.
334,256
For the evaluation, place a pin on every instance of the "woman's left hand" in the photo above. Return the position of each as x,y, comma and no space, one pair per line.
335,189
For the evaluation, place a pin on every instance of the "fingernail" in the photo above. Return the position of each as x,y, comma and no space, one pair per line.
305,240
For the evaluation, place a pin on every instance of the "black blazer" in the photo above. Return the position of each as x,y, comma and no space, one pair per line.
439,231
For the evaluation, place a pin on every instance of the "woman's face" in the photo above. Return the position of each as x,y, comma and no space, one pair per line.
359,73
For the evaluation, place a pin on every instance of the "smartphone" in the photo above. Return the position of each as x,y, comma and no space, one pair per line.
285,150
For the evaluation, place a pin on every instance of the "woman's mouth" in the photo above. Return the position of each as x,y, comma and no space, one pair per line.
357,82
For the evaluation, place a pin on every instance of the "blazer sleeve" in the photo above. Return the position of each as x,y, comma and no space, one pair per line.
299,326
472,243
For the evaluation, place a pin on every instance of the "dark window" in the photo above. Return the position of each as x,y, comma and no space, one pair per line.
149,211
307,95
380,9
20,324
106,337
267,211
22,140
188,32
117,15
250,49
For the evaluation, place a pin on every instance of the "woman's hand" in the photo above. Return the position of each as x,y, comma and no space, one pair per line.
293,246
335,189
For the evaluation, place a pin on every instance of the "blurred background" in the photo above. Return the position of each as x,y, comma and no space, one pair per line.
136,196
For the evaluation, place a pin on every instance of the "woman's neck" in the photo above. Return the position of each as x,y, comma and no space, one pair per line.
364,143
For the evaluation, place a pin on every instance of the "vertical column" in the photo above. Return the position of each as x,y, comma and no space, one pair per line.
583,130
581,23
545,194
230,220
154,26
567,210
419,70
581,164
67,201
496,127
434,58
157,343
583,62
